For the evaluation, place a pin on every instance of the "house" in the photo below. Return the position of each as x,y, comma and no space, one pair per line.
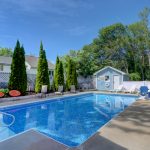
109,78
31,63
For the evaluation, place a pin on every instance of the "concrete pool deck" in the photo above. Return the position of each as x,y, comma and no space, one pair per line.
130,130
31,140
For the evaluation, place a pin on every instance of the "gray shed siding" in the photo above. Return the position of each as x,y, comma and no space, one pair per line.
101,84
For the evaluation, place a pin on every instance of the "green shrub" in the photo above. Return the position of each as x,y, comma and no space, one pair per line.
60,75
5,91
135,76
71,74
18,76
55,80
42,77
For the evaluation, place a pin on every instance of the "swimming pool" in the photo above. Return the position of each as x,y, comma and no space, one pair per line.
69,120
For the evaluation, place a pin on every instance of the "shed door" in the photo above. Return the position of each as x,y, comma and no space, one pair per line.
116,82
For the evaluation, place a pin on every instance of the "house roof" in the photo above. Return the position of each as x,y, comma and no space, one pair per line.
31,60
5,60
121,72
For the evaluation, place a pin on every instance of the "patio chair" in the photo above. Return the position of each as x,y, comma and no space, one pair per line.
132,89
60,90
121,88
143,90
73,89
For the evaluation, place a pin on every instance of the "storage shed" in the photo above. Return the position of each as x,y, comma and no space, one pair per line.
109,78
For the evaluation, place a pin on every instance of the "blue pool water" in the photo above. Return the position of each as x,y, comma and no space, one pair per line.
70,120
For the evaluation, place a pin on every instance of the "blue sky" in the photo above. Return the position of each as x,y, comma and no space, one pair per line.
61,24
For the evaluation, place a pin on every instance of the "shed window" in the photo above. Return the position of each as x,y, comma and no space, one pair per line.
106,78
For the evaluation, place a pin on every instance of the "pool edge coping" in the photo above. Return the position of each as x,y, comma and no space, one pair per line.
39,100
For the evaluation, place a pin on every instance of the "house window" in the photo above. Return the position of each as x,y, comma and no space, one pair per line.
51,73
1,68
106,78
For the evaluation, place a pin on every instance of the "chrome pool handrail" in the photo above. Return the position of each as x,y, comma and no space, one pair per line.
3,113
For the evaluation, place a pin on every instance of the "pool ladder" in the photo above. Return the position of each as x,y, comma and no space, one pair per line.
8,125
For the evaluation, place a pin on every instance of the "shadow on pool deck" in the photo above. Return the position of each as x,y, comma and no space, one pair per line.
130,130
138,115
97,142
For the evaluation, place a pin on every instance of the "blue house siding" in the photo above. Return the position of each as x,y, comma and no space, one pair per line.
106,85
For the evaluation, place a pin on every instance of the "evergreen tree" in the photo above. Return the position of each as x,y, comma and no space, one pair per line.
42,77
53,85
60,75
18,76
71,74
55,81
74,75
23,74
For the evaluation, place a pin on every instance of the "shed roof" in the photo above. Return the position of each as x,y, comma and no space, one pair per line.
31,60
109,67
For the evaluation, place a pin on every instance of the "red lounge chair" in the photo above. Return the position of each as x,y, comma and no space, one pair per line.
1,94
14,93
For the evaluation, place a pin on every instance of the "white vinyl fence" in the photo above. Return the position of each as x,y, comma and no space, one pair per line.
137,84
90,83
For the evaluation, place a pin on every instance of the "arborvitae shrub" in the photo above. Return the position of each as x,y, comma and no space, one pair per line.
42,77
18,76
